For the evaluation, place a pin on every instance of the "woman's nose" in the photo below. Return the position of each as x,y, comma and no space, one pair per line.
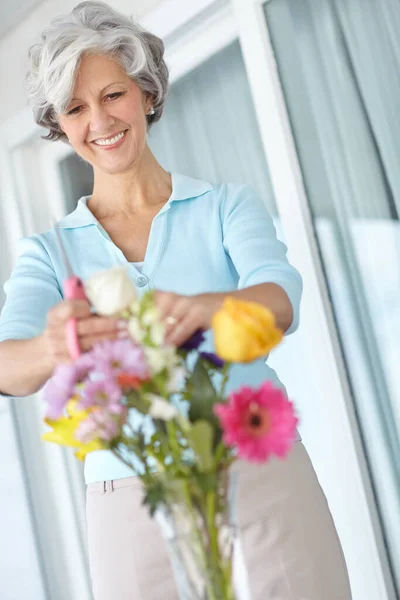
100,120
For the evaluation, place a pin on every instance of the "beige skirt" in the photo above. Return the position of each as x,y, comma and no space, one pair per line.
288,540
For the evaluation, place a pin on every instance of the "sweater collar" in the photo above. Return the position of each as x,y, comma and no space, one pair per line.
183,188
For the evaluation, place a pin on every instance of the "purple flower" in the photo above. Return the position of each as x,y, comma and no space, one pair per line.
83,366
59,389
213,359
194,342
62,385
120,356
104,393
56,398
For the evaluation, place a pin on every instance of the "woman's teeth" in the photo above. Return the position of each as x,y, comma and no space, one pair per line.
110,141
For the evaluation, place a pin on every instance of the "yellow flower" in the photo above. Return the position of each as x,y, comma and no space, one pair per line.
244,331
63,431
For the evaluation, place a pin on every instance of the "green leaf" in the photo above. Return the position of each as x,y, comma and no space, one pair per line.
201,394
208,482
202,436
135,400
154,496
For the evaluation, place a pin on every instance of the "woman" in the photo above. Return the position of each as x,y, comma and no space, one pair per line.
99,81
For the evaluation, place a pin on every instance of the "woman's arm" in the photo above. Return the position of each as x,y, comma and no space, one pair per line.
31,291
24,367
196,312
271,296
33,323
264,273
259,257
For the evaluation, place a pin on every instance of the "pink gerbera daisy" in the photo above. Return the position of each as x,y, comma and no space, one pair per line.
258,422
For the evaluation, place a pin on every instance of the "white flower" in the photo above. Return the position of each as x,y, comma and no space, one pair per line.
161,409
157,333
134,307
151,320
176,379
110,291
151,316
164,357
136,330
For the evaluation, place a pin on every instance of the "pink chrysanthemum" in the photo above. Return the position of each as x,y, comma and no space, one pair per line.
120,356
83,366
258,422
104,393
62,385
100,424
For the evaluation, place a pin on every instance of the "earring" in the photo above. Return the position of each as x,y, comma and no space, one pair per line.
151,112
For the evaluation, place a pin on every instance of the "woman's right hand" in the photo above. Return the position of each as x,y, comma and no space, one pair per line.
91,328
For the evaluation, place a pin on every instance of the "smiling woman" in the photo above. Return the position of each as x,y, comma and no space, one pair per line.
99,81
103,117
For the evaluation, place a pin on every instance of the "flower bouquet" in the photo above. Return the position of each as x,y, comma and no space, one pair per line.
165,413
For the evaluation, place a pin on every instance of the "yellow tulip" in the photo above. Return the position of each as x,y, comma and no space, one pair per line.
63,431
244,331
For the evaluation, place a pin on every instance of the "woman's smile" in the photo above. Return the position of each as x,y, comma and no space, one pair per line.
111,142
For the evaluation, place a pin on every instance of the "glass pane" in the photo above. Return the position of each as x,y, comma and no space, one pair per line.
209,129
77,180
339,63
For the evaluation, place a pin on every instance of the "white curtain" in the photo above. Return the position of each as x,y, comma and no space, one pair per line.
339,63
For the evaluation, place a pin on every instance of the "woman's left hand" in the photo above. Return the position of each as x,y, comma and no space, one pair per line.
183,315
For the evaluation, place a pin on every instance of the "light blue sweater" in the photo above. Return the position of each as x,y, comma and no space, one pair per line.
207,238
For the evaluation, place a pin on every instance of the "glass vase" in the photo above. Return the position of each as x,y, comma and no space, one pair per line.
201,533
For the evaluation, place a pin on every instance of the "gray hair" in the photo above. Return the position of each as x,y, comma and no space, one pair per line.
95,28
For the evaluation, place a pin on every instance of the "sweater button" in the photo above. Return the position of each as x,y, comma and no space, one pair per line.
141,281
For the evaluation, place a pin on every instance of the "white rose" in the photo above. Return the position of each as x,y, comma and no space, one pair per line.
110,291
161,409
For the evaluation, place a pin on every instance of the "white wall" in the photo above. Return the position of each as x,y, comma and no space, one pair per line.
14,46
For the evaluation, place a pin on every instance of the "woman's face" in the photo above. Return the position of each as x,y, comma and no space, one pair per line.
106,119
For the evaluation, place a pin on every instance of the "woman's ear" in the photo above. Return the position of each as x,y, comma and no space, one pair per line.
148,103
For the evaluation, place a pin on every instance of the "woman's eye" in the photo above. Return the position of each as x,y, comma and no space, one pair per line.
74,111
114,95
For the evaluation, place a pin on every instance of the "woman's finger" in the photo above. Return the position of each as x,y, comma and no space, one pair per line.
165,302
92,326
98,325
179,311
68,309
183,330
88,342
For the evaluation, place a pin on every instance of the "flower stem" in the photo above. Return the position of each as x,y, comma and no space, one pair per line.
211,527
225,377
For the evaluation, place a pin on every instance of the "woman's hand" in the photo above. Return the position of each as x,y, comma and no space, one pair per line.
91,329
183,315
